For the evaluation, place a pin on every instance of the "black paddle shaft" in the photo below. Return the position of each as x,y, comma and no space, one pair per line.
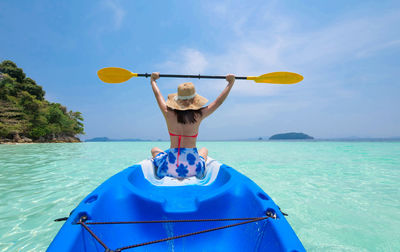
193,76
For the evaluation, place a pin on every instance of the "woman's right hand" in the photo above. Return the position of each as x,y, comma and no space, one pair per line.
230,78
155,76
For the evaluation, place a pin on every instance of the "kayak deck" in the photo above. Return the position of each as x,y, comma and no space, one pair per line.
129,196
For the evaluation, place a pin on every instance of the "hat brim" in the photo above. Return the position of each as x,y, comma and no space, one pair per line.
195,103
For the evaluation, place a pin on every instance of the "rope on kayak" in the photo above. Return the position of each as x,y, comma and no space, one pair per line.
168,221
82,222
246,221
194,233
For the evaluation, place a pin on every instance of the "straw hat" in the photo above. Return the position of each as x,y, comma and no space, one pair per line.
186,98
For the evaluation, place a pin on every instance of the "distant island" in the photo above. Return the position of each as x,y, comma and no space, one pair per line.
291,136
26,116
106,139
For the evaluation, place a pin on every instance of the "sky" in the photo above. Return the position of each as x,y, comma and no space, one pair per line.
347,51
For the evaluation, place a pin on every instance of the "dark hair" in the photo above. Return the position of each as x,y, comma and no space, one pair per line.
187,116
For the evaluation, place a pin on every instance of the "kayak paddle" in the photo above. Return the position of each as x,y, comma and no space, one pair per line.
118,75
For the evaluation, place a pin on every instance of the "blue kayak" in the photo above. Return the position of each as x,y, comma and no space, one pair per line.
135,211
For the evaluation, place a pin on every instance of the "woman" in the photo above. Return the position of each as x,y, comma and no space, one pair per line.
183,112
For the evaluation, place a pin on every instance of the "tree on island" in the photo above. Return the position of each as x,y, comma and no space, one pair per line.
291,136
25,114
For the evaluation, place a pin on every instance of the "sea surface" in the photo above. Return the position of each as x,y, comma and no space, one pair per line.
340,196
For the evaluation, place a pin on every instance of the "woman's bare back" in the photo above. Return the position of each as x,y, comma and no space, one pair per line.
176,128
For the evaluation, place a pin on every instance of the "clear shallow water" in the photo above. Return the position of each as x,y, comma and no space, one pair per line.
340,196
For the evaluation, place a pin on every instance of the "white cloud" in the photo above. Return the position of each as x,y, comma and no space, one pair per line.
274,45
117,11
185,61
105,17
367,52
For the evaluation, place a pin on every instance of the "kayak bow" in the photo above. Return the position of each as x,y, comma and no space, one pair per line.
133,210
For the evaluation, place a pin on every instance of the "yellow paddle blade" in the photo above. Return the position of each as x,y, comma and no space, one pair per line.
277,78
115,74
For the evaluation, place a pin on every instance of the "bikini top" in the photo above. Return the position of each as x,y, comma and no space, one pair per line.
179,144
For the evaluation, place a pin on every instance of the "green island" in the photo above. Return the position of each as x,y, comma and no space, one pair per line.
26,116
291,136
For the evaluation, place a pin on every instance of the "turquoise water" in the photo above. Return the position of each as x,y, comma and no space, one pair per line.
340,196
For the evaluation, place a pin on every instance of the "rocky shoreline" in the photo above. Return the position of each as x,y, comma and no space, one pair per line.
24,140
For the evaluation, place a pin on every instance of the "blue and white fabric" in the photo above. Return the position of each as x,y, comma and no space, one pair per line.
190,163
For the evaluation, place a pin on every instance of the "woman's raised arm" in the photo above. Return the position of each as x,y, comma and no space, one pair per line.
157,93
221,98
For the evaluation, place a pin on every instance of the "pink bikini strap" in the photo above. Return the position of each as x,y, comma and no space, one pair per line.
179,144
